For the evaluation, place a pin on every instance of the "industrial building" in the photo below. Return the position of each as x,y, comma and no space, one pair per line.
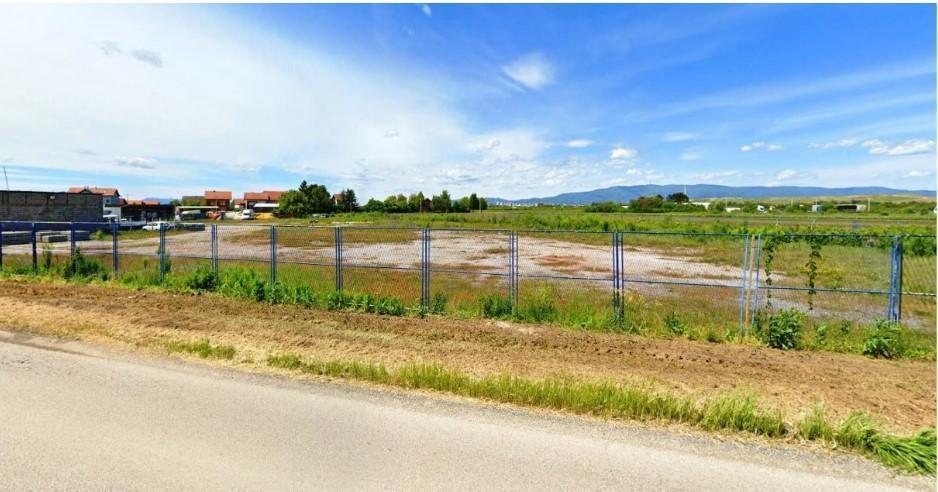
43,206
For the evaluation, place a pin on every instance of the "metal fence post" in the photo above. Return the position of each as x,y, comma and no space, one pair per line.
273,254
1,246
71,236
214,248
338,259
894,308
425,270
115,231
742,284
162,251
616,280
511,270
33,238
755,292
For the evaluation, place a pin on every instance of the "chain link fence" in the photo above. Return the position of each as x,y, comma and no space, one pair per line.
626,279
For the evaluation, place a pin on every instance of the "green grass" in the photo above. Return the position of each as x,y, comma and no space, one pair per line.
735,411
203,348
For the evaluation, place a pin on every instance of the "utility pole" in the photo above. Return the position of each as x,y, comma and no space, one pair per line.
5,177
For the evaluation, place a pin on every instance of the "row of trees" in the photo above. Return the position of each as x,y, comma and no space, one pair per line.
316,199
655,203
418,202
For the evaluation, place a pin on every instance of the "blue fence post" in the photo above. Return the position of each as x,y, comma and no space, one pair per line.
338,259
1,246
273,254
742,284
115,232
755,293
894,307
162,251
33,239
214,247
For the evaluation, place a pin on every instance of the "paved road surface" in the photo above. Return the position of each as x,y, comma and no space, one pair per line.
103,420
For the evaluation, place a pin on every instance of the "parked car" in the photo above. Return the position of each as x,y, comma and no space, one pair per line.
247,214
155,226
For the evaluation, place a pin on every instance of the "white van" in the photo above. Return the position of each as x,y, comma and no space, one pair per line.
247,214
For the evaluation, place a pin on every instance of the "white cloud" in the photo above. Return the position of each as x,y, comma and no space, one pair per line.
579,144
691,156
786,174
425,8
392,133
760,146
718,176
627,154
909,147
679,137
532,70
137,162
916,174
835,144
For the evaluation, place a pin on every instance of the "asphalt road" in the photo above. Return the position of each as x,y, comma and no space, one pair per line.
78,417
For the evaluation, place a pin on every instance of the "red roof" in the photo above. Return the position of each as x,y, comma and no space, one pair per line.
150,203
94,189
217,195
262,196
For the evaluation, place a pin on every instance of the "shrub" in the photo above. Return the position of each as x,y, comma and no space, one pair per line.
495,306
335,301
438,303
884,340
202,279
81,267
674,324
784,330
243,283
541,309
389,305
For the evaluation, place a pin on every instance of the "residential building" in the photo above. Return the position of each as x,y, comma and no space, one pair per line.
146,211
268,197
220,199
111,199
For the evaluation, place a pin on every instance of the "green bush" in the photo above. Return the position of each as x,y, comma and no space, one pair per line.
202,279
783,330
438,303
335,301
541,309
884,339
495,306
243,283
81,267
674,324
389,305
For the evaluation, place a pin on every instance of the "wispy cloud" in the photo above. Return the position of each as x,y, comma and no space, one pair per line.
691,156
391,133
836,144
625,154
917,174
532,71
679,137
425,8
148,57
579,144
909,147
760,146
137,162
110,48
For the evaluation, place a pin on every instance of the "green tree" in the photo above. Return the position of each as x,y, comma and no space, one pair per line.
473,202
374,206
679,197
441,202
294,203
483,204
349,201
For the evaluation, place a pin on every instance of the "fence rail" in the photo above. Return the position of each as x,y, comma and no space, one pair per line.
721,278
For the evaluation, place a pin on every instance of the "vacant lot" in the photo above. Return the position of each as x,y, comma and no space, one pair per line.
902,393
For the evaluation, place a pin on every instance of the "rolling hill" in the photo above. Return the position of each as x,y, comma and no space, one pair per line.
702,191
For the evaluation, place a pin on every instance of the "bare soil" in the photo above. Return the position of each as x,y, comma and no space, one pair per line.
902,393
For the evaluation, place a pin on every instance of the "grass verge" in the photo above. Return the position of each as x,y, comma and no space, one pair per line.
733,411
203,348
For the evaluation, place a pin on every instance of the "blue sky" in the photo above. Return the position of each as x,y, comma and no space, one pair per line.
505,100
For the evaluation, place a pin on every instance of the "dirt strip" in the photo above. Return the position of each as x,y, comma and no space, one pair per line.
902,393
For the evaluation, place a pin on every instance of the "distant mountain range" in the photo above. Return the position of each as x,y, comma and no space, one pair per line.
163,201
702,191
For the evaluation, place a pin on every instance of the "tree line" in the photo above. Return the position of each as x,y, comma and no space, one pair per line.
314,198
418,202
